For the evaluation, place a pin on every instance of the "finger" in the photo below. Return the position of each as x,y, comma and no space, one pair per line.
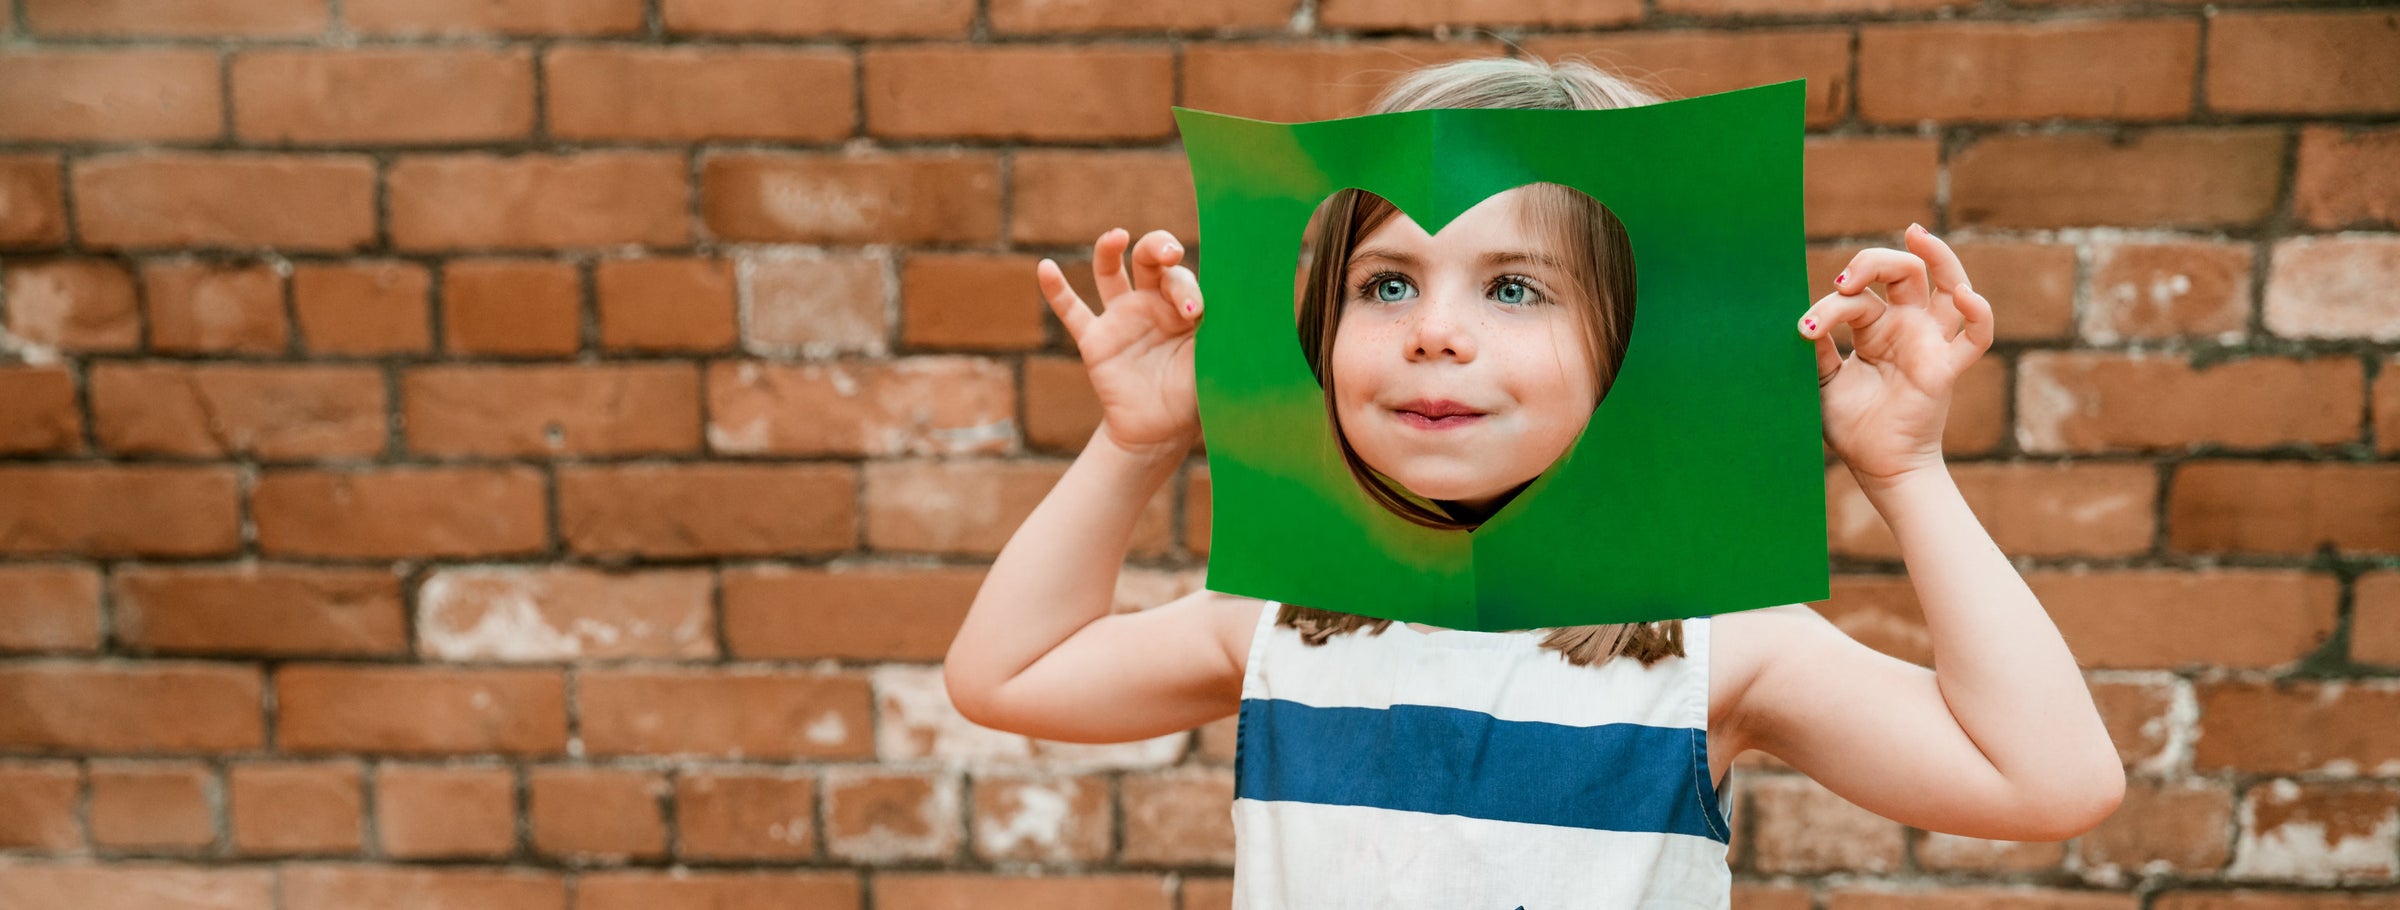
1976,338
1108,264
1070,308
1152,256
1856,310
1182,290
1900,270
1948,273
1829,358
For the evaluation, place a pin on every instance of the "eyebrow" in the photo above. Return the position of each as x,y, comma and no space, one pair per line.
1495,257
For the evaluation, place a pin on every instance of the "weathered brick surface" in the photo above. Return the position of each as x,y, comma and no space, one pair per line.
537,453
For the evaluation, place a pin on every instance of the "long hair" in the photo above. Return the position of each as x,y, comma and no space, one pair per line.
1600,257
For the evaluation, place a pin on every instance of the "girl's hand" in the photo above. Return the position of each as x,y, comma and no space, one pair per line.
1138,350
1885,403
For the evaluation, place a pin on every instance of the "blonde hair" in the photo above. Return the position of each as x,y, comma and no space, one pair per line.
1602,263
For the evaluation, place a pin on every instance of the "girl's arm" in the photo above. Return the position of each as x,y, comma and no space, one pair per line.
2002,740
1039,652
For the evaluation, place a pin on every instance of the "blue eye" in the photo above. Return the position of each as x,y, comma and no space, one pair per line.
1514,291
1387,288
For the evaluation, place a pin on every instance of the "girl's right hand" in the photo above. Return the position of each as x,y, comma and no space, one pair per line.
1138,350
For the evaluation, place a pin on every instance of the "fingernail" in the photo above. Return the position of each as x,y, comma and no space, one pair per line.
1962,285
1809,324
1917,228
1845,276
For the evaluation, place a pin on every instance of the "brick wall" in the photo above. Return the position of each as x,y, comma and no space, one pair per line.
492,453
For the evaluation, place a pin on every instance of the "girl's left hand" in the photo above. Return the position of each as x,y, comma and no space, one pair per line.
1886,402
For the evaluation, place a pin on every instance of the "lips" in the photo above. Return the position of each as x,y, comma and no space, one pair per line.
1437,414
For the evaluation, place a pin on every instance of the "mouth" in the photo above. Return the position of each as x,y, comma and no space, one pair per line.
1442,414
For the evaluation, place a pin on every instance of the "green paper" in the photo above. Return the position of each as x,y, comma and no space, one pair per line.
1698,487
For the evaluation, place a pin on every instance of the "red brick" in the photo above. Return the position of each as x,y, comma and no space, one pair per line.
235,199
919,405
362,308
2180,825
155,886
361,887
565,613
1972,71
539,201
1042,818
223,410
972,507
1693,62
2317,62
1031,92
2297,726
2334,287
360,96
419,710
2032,286
1801,827
38,808
817,305
2250,899
295,808
746,814
49,608
1051,193
168,18
1379,15
1179,818
484,17
160,706
750,714
1881,612
33,209
816,890
820,19
2320,832
846,612
666,304
2092,401
2284,507
1052,17
207,307
108,95
254,608
619,409
597,813
878,197
1868,185
119,510
880,816
984,891
400,512
695,94
38,411
515,307
1787,8
1978,408
2346,177
1288,81
1198,508
152,806
74,304
1951,852
2029,509
2156,619
676,510
1061,411
445,812
2169,177
2375,620
2149,721
1885,897
982,301
2166,290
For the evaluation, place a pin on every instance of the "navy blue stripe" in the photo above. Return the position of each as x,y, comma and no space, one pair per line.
1450,761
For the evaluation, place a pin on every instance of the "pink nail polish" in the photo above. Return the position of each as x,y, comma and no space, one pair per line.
1845,276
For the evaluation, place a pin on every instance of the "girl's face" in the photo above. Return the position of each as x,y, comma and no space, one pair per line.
1459,365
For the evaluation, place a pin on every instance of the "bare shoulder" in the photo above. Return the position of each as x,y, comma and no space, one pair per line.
1232,617
1743,645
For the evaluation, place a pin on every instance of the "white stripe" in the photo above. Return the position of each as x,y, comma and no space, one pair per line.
1305,856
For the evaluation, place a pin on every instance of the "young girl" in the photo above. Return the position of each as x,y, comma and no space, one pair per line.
1383,764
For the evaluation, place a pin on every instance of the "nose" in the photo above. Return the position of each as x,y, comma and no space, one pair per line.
1442,328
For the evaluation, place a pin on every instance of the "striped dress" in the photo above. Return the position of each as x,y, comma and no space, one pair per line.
1473,771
